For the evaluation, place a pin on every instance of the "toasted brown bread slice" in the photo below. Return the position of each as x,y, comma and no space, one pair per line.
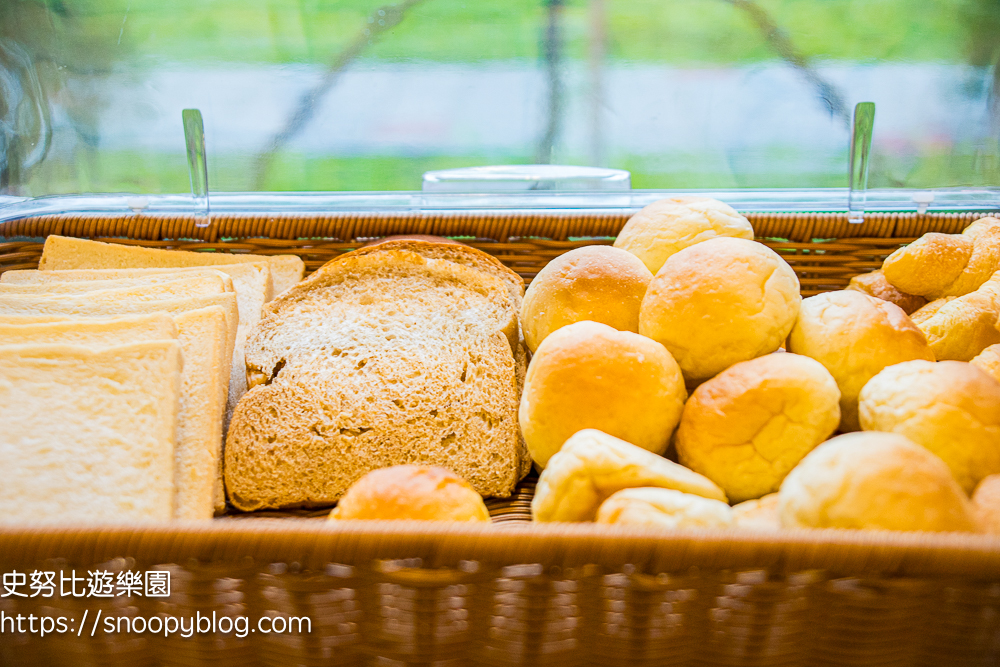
373,361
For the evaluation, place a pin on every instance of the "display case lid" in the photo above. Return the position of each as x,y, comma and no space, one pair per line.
738,98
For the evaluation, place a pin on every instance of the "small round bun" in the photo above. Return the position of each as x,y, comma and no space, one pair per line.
986,505
758,514
669,225
592,465
855,336
747,427
588,375
950,407
988,361
874,284
597,283
873,480
421,493
663,508
720,302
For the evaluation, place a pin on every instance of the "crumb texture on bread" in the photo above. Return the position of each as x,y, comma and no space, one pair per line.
88,435
377,360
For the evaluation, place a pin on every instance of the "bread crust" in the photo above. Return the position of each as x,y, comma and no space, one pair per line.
875,284
377,360
855,336
410,492
597,283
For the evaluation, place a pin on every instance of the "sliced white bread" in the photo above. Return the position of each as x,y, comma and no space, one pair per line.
197,285
64,252
88,435
202,335
76,286
251,280
374,361
104,304
88,332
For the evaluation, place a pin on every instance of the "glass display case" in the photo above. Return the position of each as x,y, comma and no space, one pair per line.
841,129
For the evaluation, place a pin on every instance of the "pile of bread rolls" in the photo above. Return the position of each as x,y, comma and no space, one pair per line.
679,379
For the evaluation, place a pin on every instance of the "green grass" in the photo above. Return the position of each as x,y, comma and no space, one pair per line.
674,31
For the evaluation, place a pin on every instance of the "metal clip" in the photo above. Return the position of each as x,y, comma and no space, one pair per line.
861,148
194,138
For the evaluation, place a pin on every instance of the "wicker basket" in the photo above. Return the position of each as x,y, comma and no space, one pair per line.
401,593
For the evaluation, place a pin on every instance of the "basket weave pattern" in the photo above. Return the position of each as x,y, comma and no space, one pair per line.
400,593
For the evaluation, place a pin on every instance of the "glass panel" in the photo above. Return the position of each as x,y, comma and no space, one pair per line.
354,95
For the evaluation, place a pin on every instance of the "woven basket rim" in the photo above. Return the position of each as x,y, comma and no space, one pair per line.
314,543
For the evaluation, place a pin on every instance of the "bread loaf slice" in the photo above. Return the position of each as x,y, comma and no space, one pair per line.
251,281
202,336
63,252
88,332
481,261
88,435
199,285
376,360
177,280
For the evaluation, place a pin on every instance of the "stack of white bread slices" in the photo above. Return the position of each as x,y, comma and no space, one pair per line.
116,367
403,352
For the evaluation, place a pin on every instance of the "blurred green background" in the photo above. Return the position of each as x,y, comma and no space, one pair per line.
81,49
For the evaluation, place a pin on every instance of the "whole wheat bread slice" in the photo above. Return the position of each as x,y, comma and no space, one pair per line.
88,435
202,336
481,261
64,252
373,361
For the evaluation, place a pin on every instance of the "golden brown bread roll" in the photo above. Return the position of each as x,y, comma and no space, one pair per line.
950,407
663,508
988,361
669,225
747,427
421,493
986,505
873,480
593,465
874,284
588,375
720,302
937,265
855,336
596,283
758,514
959,328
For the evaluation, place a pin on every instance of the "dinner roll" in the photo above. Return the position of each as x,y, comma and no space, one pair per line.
873,480
950,407
720,302
747,427
597,283
937,265
588,375
959,328
986,505
989,361
663,508
758,514
422,493
593,465
855,336
669,225
874,284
